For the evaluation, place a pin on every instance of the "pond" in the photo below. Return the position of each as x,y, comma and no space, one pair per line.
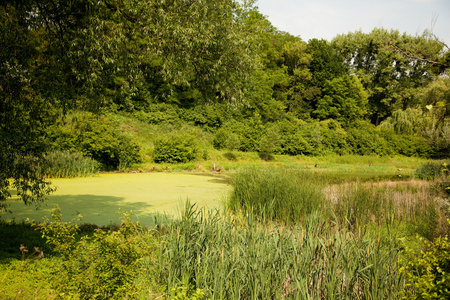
99,198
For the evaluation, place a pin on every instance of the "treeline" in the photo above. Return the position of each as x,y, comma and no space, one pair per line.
220,65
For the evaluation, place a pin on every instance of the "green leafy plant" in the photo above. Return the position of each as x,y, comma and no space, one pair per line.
431,170
66,164
176,148
62,236
101,265
96,137
428,270
186,293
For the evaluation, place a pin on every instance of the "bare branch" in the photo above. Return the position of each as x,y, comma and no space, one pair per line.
414,56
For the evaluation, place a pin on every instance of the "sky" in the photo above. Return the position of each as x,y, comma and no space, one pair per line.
324,19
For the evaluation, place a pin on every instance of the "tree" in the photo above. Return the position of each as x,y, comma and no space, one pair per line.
390,77
23,113
326,63
344,100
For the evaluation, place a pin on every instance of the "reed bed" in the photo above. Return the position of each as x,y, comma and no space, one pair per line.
289,195
65,164
285,194
240,258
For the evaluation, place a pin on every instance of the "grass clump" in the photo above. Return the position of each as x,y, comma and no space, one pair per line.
66,164
286,194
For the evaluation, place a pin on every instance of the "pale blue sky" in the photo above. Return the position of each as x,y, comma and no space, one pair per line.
328,18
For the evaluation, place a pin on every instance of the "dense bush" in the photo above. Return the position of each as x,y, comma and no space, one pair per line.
102,265
270,143
97,137
296,137
431,170
176,148
428,270
158,114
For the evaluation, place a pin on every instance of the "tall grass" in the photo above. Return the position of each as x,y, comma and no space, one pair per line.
286,194
289,195
232,258
65,164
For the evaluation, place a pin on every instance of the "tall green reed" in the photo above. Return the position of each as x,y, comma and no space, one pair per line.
65,164
285,194
231,258
289,195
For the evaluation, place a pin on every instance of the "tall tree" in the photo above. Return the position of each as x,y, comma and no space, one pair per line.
389,76
23,112
344,100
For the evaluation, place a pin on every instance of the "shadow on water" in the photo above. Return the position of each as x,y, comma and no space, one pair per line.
95,209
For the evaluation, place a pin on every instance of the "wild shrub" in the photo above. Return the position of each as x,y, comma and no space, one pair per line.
270,143
102,265
367,141
294,140
334,137
61,236
296,144
430,170
158,113
408,145
176,148
428,270
220,138
96,137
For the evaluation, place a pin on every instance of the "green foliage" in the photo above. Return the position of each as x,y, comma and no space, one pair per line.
158,114
24,113
408,145
97,137
176,148
431,170
428,270
366,140
334,137
344,100
99,266
186,293
326,63
390,66
62,236
270,143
